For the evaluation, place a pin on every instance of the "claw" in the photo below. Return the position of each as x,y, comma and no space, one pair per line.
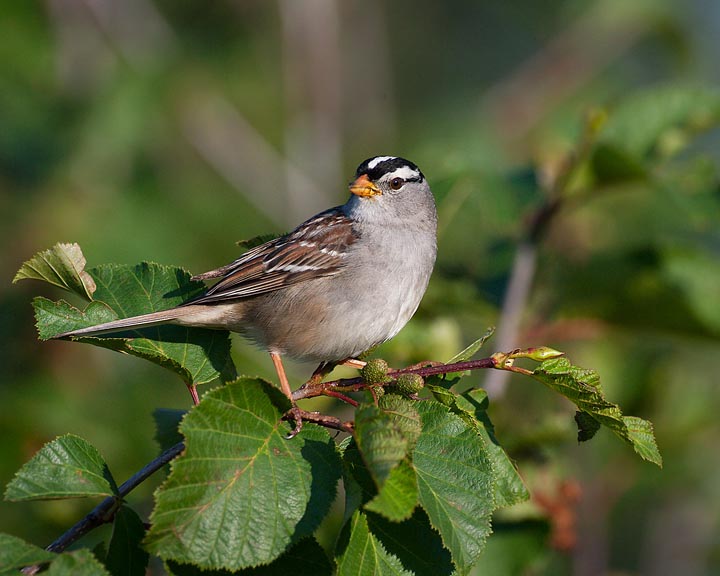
296,414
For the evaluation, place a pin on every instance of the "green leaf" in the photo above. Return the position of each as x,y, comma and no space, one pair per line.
452,377
455,482
362,554
62,265
197,355
16,554
642,438
167,421
646,121
471,407
241,493
657,122
696,272
100,551
471,350
587,426
414,542
440,390
78,563
386,433
509,486
398,497
52,318
145,287
125,556
582,387
359,485
304,558
67,467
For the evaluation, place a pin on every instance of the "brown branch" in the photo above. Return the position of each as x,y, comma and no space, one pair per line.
105,512
313,389
321,419
341,396
335,388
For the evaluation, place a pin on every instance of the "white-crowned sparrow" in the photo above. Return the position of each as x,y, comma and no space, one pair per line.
339,284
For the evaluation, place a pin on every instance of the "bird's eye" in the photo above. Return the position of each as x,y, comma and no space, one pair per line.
396,183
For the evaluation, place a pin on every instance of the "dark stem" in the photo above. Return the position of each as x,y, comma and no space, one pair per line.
193,394
105,511
313,389
343,397
322,420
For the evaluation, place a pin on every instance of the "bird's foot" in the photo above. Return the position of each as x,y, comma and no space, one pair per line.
294,414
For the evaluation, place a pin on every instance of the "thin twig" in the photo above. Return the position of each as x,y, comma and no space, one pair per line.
105,511
343,397
313,389
322,419
192,388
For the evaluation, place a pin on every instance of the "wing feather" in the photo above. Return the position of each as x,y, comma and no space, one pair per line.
316,248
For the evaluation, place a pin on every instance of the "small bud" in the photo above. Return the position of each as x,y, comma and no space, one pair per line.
408,384
538,354
375,371
501,360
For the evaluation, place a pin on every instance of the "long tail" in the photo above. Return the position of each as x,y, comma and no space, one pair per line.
142,321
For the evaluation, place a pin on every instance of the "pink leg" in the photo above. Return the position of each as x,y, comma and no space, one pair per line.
285,387
284,384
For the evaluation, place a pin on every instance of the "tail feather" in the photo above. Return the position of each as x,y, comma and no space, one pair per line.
142,321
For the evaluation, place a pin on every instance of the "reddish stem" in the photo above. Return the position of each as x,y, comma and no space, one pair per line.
193,393
342,397
313,389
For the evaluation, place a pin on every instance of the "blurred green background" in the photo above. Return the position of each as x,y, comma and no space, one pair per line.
167,130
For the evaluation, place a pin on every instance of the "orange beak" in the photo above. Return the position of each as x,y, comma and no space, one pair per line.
363,187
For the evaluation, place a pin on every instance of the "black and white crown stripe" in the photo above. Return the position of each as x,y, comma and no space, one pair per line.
393,166
406,173
378,159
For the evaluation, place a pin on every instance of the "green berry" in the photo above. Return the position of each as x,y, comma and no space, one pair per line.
375,371
408,384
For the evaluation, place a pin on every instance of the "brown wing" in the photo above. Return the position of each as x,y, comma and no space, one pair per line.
316,248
